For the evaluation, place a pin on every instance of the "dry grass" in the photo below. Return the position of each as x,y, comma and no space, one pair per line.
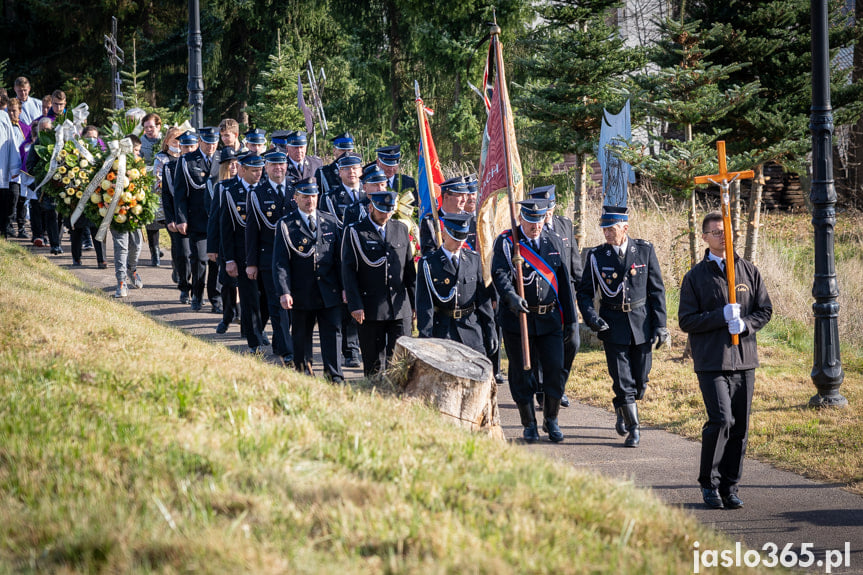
127,446
822,444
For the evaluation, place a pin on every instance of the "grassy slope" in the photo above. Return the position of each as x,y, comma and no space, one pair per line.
128,446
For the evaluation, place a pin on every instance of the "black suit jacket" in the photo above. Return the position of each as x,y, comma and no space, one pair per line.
441,288
192,185
336,200
536,290
562,228
267,208
306,265
310,166
636,280
379,275
214,208
169,205
232,223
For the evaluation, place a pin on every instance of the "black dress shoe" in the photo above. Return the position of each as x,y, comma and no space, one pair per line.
217,308
499,379
22,233
711,498
265,340
352,362
731,501
531,434
76,263
222,327
564,401
196,305
184,297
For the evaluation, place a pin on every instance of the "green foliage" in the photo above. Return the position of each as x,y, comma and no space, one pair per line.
277,94
568,70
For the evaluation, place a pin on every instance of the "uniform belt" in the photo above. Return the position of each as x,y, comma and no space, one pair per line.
542,309
625,307
456,312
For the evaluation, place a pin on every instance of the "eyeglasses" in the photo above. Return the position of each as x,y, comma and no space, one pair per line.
715,233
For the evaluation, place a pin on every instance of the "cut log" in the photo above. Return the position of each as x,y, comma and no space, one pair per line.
457,380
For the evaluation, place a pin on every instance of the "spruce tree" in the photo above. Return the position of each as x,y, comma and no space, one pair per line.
571,65
685,92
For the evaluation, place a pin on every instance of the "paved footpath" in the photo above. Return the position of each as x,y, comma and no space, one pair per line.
780,507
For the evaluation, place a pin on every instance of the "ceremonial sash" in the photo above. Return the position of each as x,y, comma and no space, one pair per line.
535,261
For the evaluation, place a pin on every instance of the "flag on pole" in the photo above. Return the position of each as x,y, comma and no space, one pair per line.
493,215
307,113
428,193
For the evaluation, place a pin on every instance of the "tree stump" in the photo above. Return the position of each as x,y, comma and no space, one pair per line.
457,380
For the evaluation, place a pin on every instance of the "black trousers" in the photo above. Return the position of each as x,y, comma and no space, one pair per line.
7,209
727,398
180,259
629,368
76,240
198,264
350,335
283,344
230,306
214,282
43,220
330,330
378,340
251,322
546,351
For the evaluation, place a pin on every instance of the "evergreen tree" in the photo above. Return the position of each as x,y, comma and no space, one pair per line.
276,107
572,64
685,93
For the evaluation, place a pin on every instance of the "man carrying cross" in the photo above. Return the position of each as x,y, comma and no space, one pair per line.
722,321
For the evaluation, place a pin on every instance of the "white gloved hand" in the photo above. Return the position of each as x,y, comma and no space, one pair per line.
731,311
736,326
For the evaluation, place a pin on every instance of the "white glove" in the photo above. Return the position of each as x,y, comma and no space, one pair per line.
731,311
736,326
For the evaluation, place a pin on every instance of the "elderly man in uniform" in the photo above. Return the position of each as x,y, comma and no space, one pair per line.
726,372
454,192
388,161
548,303
453,301
232,234
196,175
561,226
379,276
269,204
328,176
300,165
307,267
336,199
631,319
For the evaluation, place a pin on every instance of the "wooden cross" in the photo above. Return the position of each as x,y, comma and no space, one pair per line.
723,179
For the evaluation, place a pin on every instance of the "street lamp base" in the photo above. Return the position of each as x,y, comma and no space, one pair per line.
835,400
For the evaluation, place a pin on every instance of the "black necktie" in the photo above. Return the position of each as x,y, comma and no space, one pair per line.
535,245
455,262
312,225
279,189
620,253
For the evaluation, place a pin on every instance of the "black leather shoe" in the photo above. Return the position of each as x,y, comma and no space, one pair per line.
530,434
196,305
222,327
217,308
564,401
630,418
731,501
352,362
184,297
620,425
499,379
711,498
549,424
265,341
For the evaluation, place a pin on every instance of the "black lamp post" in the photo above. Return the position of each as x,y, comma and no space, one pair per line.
196,74
827,374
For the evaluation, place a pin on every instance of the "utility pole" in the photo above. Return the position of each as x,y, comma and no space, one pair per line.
196,73
115,56
827,374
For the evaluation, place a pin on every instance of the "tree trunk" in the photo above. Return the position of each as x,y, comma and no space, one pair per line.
454,378
581,197
735,211
754,219
693,212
